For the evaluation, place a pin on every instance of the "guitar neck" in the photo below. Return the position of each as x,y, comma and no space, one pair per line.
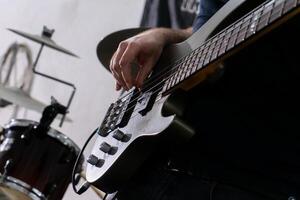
259,21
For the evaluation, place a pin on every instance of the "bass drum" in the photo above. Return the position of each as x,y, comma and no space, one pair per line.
35,165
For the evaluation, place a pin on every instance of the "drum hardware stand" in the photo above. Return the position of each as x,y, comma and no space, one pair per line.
49,114
48,33
7,166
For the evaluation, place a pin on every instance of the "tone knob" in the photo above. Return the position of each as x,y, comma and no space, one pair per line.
95,161
118,135
92,159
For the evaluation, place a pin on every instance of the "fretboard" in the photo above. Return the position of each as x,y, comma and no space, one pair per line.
217,46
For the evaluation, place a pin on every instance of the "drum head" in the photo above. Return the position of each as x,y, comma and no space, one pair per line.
7,193
14,189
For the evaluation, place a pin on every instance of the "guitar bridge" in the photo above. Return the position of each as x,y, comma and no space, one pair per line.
117,114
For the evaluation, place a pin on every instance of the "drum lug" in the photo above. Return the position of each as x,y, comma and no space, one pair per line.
27,135
2,131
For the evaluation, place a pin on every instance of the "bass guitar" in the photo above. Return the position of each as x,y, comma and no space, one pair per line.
139,119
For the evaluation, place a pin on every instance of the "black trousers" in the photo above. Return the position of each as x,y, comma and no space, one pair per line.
163,184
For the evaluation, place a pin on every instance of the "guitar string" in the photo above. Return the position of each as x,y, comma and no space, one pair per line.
157,77
138,95
174,69
190,68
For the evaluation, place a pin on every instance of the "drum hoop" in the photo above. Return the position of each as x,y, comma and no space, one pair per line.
21,186
52,133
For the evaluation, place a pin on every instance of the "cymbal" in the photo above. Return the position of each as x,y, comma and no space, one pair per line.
42,39
21,98
109,44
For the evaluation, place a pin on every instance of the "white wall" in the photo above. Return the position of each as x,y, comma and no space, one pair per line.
79,25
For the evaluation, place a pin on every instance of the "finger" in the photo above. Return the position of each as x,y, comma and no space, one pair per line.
126,61
144,71
119,82
118,86
114,64
118,79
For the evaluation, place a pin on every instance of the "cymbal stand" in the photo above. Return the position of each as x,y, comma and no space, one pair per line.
48,33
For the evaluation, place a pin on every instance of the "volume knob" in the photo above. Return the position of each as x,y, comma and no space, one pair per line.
119,135
106,148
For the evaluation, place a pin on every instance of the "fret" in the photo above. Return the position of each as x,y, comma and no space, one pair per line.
206,48
178,76
169,85
171,81
165,85
194,67
189,69
207,58
175,74
214,41
189,61
209,53
207,44
193,61
217,47
265,16
200,55
183,66
198,50
174,80
254,22
182,71
182,76
243,30
233,36
197,59
201,60
225,41
203,57
289,5
277,10
219,44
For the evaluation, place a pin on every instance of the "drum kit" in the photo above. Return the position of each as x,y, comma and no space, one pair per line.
36,161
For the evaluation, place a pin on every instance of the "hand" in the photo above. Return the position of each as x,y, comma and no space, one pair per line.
144,50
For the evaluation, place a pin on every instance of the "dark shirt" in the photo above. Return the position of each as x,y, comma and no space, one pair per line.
207,9
170,13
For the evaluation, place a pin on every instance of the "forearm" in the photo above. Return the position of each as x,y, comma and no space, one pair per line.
170,36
